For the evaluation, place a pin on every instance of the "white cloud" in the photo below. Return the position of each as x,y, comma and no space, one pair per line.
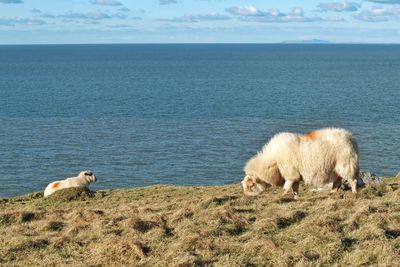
11,1
106,2
21,21
120,26
297,11
244,10
379,13
124,9
86,16
167,2
335,19
197,18
251,13
118,16
47,16
339,6
384,1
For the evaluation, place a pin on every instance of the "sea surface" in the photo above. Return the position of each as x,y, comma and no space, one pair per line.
185,114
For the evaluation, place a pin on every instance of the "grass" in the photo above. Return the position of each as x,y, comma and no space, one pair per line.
202,226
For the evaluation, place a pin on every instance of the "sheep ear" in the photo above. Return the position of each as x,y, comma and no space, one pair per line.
245,179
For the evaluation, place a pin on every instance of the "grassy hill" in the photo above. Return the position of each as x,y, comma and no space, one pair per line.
202,226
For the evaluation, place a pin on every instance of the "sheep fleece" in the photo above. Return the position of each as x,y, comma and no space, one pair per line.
82,180
317,158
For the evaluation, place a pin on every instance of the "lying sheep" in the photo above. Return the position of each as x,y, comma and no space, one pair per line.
82,180
317,158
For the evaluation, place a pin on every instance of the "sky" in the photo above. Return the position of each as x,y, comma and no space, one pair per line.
198,21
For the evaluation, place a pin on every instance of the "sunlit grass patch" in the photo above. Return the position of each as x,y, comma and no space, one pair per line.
202,226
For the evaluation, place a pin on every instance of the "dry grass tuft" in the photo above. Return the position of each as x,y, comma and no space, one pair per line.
55,226
392,233
142,226
311,255
218,201
181,214
8,218
27,216
72,194
30,244
375,190
295,217
24,247
141,250
202,226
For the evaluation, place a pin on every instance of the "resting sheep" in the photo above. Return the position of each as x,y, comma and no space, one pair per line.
82,180
323,156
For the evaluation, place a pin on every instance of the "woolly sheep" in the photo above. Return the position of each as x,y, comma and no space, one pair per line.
320,157
82,180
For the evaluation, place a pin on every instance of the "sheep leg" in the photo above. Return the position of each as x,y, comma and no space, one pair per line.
287,186
353,185
295,187
336,185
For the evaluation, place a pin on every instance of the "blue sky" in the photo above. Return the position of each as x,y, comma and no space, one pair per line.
197,21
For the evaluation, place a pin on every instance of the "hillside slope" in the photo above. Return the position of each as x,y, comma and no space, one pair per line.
197,226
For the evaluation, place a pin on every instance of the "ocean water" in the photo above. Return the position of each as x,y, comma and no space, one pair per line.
185,114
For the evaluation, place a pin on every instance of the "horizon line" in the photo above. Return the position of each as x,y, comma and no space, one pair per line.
300,42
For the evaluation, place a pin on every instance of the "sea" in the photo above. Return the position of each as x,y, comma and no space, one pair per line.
185,114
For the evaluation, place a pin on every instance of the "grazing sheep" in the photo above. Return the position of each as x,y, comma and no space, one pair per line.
82,180
320,157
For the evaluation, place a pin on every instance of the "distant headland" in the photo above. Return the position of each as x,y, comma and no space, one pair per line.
312,41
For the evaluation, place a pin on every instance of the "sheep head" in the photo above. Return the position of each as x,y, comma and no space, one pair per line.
88,176
253,186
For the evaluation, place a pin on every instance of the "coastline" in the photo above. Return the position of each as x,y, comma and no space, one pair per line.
196,226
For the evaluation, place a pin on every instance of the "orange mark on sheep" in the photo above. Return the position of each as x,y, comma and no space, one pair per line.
310,136
56,185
